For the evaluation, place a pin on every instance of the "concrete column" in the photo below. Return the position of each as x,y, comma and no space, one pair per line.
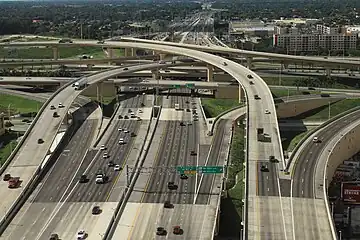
127,52
55,53
110,52
155,74
285,66
210,73
328,72
133,52
249,62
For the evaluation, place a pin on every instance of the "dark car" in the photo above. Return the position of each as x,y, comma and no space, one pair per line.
54,236
325,95
272,158
257,97
111,164
52,107
100,42
188,110
126,69
264,168
186,101
40,141
7,177
183,176
249,76
251,83
142,105
182,124
167,204
96,210
193,153
55,114
311,88
120,117
160,231
177,230
172,186
132,134
83,179
126,117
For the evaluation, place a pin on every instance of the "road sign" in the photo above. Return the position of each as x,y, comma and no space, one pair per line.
199,169
190,85
176,86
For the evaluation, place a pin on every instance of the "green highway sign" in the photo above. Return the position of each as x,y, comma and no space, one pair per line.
190,85
200,169
176,86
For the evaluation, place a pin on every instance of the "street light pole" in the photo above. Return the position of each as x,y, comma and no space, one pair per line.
329,110
9,111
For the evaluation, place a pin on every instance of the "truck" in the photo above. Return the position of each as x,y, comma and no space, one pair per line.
177,106
262,136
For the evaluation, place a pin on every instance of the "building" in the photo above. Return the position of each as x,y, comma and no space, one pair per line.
251,28
313,38
2,124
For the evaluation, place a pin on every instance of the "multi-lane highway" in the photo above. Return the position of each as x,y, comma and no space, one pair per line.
303,186
60,196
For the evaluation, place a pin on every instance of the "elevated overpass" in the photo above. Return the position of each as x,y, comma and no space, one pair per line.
259,225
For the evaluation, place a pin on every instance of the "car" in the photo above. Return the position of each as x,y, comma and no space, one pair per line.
160,231
83,179
188,110
251,83
196,119
121,141
25,120
132,134
102,147
60,105
272,158
182,124
267,111
193,153
183,176
100,42
316,140
129,111
162,62
120,129
324,95
96,210
126,131
52,107
55,114
125,69
81,235
187,102
132,114
225,64
257,97
28,78
177,230
106,155
140,111
54,236
138,119
311,88
40,141
249,76
117,167
167,71
172,186
7,177
264,168
126,117
120,117
167,204
111,164
142,104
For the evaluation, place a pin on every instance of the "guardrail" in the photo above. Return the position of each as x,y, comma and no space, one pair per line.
312,131
126,194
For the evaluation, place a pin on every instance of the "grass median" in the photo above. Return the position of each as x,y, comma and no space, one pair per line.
8,143
17,104
231,206
214,107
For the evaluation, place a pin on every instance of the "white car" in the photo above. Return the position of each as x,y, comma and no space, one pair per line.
105,155
126,131
60,105
102,147
120,129
132,114
117,167
81,235
121,141
316,140
267,111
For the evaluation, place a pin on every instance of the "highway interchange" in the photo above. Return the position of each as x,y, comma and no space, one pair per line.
266,204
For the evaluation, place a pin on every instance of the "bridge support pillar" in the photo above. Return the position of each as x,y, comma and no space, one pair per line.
127,52
328,72
249,62
210,73
133,52
155,74
284,66
55,53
